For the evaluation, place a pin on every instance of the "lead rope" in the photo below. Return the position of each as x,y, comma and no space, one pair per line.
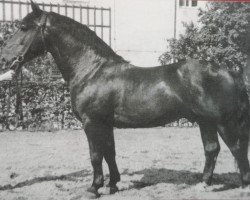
16,67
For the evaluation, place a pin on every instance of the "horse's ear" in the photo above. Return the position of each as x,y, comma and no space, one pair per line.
35,8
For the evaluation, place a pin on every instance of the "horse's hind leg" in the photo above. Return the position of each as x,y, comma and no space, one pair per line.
236,139
211,147
109,155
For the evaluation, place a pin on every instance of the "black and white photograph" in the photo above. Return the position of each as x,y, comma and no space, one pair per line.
124,99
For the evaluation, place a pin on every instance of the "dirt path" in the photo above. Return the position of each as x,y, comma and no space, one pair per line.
160,163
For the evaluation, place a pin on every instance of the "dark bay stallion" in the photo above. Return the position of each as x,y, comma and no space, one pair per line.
106,92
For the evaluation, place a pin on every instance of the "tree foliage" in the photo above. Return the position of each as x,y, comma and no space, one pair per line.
222,36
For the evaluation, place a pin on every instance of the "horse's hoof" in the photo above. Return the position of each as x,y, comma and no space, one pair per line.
92,193
201,186
104,190
124,185
107,190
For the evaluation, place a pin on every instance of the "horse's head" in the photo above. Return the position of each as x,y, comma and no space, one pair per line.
28,42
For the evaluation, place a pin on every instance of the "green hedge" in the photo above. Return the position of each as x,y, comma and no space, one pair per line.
43,106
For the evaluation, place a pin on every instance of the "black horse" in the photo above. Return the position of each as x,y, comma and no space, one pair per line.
107,91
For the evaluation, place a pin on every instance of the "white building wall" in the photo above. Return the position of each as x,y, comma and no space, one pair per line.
187,14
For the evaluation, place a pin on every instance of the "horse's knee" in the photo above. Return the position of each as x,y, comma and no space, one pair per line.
96,158
212,149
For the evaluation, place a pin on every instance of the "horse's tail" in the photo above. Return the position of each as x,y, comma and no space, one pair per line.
242,113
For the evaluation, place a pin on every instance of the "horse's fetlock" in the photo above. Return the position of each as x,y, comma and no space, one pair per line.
113,189
246,179
207,178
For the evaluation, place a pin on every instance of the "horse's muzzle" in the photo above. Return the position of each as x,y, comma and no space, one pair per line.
12,64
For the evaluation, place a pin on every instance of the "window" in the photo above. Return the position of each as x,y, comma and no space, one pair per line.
181,2
187,3
194,3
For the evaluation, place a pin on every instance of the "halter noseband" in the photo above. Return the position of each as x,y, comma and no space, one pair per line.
40,26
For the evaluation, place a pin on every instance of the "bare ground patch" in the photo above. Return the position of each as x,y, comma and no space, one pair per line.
159,163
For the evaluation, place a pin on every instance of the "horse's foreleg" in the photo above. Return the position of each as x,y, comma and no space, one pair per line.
211,147
237,140
94,132
109,155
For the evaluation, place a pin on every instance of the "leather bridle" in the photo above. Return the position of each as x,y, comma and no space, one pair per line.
40,27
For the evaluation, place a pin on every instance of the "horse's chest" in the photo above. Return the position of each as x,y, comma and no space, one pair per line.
93,100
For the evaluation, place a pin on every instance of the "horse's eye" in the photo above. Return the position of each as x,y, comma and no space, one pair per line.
24,27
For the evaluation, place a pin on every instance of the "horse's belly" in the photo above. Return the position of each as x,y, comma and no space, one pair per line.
147,114
145,122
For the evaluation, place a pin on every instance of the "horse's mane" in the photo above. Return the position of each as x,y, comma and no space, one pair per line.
85,35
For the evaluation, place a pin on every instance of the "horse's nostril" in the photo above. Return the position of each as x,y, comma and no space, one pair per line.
20,58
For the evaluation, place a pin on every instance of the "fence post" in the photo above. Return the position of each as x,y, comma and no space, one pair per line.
63,99
7,122
18,109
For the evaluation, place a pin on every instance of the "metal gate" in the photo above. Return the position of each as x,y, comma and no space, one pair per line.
97,19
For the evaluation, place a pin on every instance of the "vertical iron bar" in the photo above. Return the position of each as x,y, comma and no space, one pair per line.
110,43
3,10
81,13
73,11
95,19
58,8
102,23
87,16
175,27
27,6
11,10
20,10
175,17
66,10
43,6
50,7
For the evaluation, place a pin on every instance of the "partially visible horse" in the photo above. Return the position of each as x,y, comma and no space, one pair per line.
107,91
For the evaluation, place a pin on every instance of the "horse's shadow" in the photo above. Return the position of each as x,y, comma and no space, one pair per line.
150,177
67,177
154,176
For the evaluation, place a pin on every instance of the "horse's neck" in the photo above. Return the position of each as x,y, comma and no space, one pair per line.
74,59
